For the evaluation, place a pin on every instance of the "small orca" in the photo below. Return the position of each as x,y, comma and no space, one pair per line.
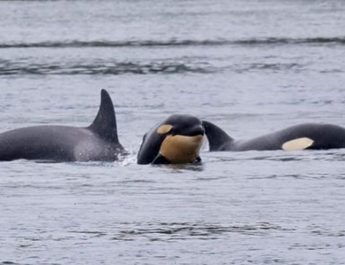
299,137
97,142
176,140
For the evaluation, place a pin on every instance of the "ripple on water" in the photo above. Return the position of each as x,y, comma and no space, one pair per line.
190,231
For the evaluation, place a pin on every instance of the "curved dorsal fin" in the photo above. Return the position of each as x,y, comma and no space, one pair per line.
216,136
105,122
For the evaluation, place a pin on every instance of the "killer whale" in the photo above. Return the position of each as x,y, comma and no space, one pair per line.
97,142
176,140
299,137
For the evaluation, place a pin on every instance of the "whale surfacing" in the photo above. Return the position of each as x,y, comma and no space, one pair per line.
295,138
176,140
97,142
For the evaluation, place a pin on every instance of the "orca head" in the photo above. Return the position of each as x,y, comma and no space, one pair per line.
177,140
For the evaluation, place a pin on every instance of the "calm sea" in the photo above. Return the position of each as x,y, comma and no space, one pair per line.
250,66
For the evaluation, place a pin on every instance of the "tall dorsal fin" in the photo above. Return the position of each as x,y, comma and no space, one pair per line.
105,122
216,136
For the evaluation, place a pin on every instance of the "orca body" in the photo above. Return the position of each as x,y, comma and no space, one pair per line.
98,142
300,137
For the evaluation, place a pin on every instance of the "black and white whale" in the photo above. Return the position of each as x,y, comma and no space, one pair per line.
176,140
299,137
97,142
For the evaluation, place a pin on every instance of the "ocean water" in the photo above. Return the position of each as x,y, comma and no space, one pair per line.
251,67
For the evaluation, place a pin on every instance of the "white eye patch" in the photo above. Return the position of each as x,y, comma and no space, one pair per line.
165,128
297,144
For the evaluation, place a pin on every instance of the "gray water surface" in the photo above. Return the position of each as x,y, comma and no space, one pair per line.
251,67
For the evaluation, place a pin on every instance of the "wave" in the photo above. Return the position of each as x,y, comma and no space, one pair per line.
175,43
184,231
153,67
15,68
293,41
270,67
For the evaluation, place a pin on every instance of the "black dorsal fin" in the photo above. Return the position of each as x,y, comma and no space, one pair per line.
216,136
105,122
